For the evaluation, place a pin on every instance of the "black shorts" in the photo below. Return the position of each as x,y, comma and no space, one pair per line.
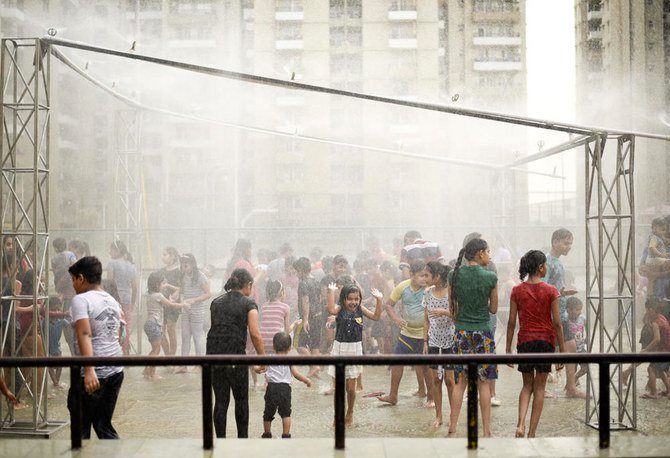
535,346
277,399
441,351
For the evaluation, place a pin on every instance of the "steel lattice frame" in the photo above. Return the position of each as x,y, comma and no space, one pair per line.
24,190
128,192
610,221
610,268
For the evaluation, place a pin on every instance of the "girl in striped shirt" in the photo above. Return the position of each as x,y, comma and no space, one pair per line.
275,314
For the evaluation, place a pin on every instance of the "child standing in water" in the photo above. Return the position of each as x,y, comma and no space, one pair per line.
536,304
349,315
278,391
153,326
473,294
438,333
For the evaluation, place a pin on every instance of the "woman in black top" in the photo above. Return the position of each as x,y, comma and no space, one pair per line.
232,314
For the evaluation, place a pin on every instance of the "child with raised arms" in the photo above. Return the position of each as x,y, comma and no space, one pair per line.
349,315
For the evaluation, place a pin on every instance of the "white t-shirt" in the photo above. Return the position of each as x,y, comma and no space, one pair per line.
104,315
278,374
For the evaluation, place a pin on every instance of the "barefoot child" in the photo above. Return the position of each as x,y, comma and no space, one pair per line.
438,333
153,326
349,315
473,294
536,304
278,391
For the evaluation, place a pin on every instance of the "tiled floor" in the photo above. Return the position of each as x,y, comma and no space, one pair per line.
622,445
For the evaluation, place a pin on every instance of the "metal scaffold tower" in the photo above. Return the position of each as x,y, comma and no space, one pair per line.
128,189
24,226
610,268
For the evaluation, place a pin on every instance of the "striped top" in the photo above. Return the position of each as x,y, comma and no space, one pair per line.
273,315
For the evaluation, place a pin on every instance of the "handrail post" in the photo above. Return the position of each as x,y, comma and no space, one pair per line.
339,406
472,406
207,431
604,404
76,415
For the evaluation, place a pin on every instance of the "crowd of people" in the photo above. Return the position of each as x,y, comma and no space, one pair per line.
413,301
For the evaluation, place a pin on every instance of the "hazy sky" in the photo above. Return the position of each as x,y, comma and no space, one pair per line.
550,41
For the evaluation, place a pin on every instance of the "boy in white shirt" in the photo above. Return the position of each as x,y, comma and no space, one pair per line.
278,391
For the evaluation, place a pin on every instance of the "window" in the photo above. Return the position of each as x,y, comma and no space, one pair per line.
289,31
403,5
350,35
351,8
289,5
403,30
496,6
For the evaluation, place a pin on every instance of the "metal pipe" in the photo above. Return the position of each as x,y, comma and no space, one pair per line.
604,404
566,146
250,78
328,360
207,425
308,138
472,407
76,415
340,382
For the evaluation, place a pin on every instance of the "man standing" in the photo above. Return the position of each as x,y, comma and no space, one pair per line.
96,318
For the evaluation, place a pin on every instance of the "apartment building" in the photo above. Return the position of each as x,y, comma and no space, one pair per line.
623,79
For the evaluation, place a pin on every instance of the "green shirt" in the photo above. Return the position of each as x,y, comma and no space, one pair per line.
473,290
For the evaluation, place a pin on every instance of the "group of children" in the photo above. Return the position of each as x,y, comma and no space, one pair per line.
426,306
440,311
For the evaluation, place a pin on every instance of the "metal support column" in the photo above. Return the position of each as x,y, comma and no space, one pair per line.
128,193
24,227
610,270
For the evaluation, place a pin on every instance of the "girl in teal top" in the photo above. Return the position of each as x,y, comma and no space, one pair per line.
473,294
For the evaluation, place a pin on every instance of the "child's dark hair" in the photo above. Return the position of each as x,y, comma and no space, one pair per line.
327,264
654,303
121,247
414,235
189,258
55,302
561,234
272,289
387,266
89,267
349,289
344,280
59,244
573,302
173,252
302,265
530,263
238,280
340,259
468,252
658,222
281,342
154,281
439,270
416,267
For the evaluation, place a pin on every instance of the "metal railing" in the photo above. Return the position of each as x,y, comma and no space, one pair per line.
603,360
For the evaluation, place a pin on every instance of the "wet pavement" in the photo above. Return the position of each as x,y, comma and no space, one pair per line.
171,408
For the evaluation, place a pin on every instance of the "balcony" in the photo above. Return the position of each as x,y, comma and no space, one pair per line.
406,15
498,66
289,44
496,41
402,43
595,35
289,15
191,44
594,15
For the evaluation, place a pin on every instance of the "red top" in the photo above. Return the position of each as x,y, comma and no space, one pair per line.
664,329
533,302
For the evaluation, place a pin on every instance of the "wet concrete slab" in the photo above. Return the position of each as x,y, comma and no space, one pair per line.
622,446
